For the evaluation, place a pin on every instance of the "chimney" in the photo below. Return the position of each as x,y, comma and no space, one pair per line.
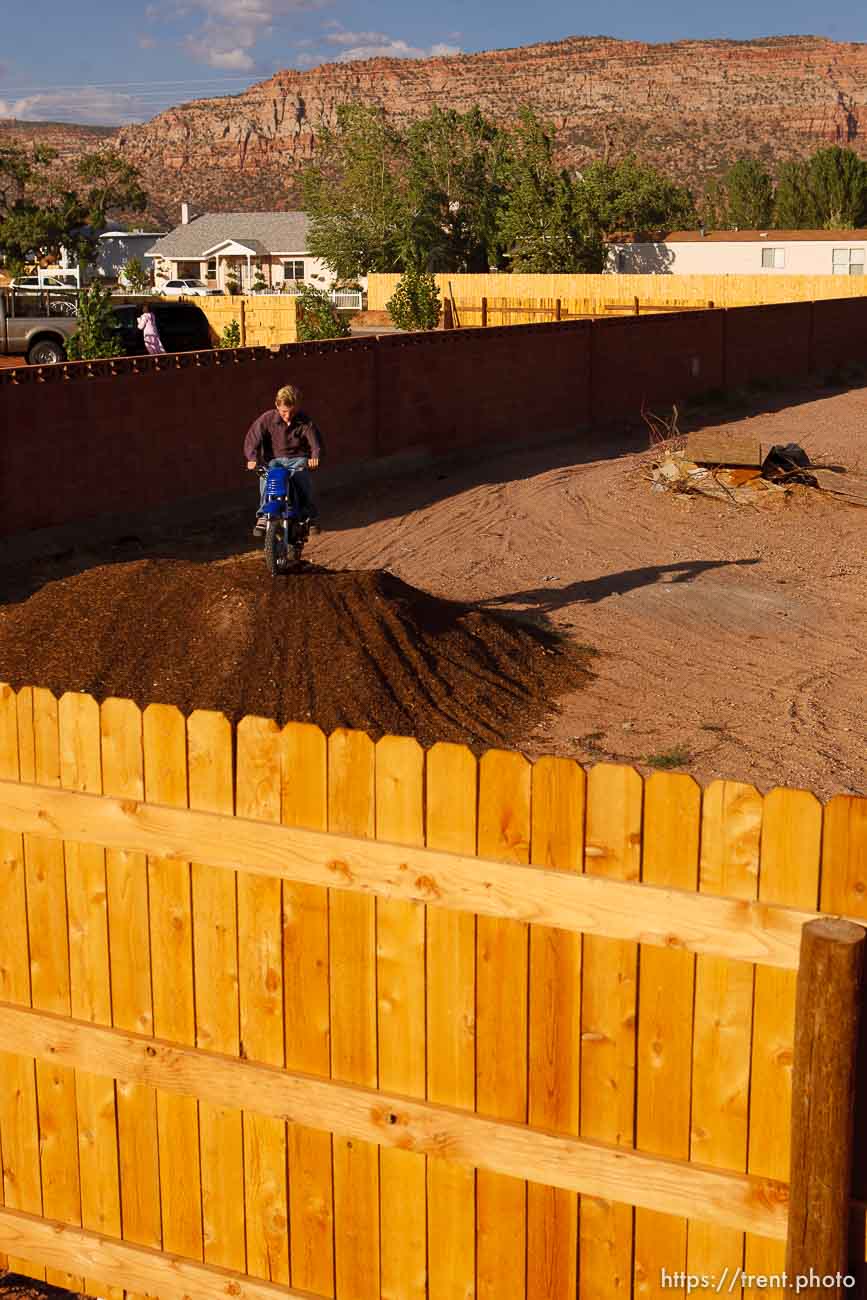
185,214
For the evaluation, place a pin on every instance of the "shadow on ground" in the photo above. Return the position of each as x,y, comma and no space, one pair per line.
546,600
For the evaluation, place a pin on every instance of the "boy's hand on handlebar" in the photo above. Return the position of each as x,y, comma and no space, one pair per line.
251,464
313,462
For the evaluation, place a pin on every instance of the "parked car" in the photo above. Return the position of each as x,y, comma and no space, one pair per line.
182,327
187,289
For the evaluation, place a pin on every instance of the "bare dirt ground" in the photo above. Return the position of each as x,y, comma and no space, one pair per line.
729,639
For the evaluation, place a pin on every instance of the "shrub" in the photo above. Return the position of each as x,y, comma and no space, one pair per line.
233,284
259,282
415,304
97,334
318,318
135,276
231,336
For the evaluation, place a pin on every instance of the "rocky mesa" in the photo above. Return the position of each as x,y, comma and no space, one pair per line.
689,107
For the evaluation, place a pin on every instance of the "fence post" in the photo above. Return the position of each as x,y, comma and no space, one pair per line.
447,315
827,1014
635,301
484,313
557,311
242,324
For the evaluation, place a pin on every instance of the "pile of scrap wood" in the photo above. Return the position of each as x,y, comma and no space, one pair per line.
738,467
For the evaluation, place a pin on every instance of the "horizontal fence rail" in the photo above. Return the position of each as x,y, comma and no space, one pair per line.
291,1014
672,1187
737,929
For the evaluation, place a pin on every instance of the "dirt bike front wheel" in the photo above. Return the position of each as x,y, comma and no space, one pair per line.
276,548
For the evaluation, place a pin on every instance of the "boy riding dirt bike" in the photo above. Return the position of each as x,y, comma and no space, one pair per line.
285,436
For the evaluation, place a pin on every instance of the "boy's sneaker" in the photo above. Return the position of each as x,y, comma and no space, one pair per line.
260,528
314,528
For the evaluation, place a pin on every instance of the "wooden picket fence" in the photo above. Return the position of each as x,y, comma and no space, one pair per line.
287,1014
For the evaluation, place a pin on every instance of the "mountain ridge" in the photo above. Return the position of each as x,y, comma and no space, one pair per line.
689,106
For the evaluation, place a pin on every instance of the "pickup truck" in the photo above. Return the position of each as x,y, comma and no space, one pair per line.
36,324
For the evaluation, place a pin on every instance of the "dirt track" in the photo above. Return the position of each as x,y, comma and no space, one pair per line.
730,638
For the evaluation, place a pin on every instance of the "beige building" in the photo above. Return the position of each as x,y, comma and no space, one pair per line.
743,252
220,246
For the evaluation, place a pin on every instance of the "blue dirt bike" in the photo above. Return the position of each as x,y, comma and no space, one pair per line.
286,530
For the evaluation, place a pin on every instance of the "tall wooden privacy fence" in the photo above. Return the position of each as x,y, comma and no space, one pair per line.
510,311
283,1013
590,293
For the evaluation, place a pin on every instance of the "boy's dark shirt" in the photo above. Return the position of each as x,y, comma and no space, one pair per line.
269,437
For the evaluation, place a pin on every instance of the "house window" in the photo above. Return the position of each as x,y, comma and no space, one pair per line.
848,261
189,270
212,268
293,270
773,259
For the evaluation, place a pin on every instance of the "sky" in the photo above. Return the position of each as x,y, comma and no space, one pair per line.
106,62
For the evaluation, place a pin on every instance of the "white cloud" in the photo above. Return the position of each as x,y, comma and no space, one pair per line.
91,105
378,45
222,48
229,30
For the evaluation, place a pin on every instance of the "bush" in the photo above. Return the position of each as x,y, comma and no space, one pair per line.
318,318
97,334
134,276
415,304
259,282
231,336
233,284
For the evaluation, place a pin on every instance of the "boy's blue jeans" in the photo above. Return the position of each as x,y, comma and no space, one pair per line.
301,479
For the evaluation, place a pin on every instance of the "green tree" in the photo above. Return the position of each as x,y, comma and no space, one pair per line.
827,192
135,276
317,317
39,216
97,334
838,181
259,282
355,194
794,205
631,197
542,228
415,303
749,195
456,170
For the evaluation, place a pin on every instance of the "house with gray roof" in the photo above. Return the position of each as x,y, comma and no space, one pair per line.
219,246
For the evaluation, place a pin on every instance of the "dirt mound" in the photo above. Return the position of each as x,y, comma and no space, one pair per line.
354,649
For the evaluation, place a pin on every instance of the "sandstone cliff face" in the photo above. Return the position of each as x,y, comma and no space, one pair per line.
689,107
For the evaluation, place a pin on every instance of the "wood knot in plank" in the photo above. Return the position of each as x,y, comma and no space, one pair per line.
339,868
427,885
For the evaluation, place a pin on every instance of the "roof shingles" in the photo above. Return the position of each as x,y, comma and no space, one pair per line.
272,232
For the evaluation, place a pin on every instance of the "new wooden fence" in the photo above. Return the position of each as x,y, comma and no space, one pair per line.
590,294
283,1013
508,311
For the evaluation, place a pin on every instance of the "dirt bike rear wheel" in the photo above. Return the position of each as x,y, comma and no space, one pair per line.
275,548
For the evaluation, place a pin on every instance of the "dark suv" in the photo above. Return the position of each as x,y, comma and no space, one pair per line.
182,327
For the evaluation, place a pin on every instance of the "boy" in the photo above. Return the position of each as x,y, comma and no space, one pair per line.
286,436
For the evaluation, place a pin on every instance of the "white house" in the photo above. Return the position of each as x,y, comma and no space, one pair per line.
743,252
219,246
